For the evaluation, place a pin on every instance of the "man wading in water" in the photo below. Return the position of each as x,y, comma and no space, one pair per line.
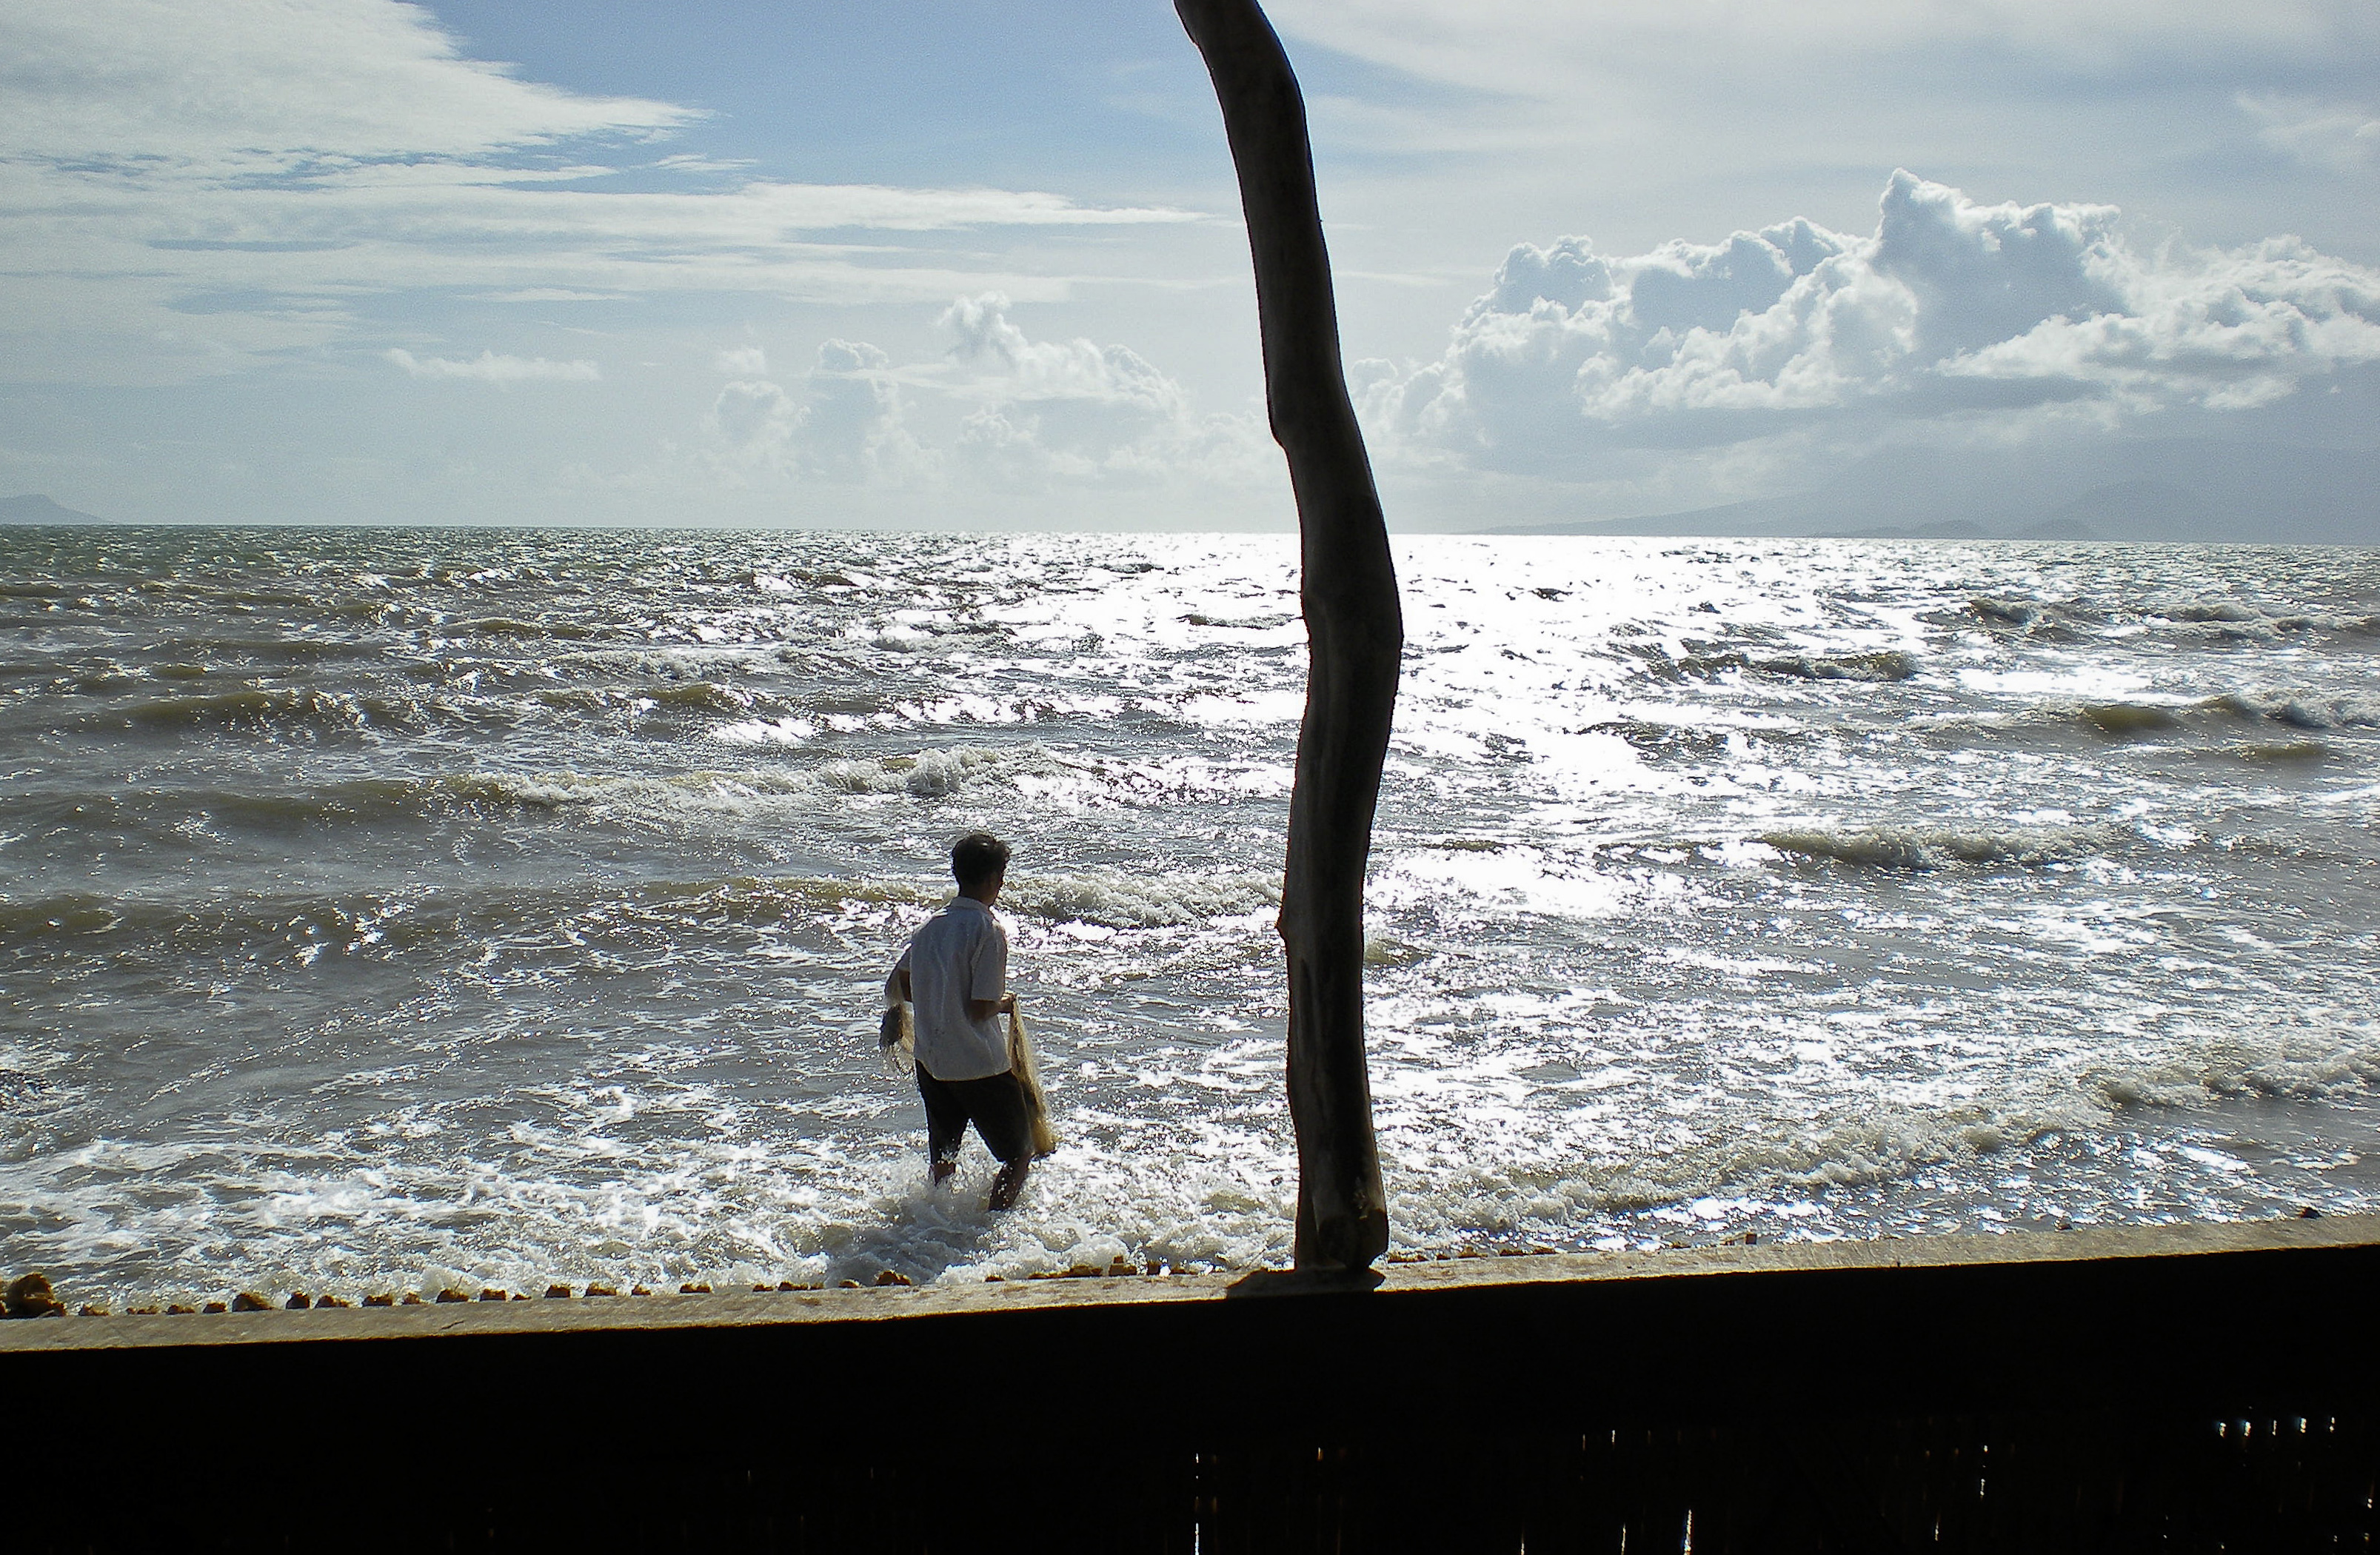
956,973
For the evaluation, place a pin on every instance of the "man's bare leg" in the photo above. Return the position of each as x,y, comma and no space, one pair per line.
943,1169
1009,1183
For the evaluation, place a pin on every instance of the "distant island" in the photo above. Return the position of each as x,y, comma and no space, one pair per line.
2176,490
42,510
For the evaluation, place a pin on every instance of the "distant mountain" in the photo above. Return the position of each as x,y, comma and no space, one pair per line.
2172,488
2130,510
41,510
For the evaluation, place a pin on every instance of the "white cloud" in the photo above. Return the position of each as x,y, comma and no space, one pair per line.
1641,119
1524,47
1007,413
1951,307
239,87
489,367
2342,138
548,293
742,362
1076,411
1011,367
847,425
195,167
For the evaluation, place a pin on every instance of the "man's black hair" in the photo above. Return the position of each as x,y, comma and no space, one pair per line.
978,856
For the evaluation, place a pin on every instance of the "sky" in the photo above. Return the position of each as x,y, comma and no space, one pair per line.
953,266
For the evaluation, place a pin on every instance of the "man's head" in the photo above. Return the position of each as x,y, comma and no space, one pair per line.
979,863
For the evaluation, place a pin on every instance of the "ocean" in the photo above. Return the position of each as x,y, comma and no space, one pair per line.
385,911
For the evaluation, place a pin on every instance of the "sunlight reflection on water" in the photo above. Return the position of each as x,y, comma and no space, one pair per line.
527,924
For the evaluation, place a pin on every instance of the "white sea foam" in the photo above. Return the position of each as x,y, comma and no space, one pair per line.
772,731
936,774
680,795
1123,900
2300,1063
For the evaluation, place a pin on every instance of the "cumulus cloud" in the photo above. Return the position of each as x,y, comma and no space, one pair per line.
1078,410
1017,367
743,361
996,410
848,424
489,367
1950,305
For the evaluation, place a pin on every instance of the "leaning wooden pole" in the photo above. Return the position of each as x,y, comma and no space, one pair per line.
1354,630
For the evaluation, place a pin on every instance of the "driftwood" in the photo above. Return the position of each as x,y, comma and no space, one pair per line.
1354,628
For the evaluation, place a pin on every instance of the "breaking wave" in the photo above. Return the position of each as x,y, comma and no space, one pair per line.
2292,710
1925,847
938,775
2300,711
1881,667
1121,901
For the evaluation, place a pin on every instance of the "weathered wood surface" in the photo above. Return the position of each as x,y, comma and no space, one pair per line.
1354,626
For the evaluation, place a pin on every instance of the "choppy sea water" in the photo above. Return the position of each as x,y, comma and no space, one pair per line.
390,910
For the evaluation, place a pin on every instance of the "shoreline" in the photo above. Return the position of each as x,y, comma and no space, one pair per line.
662,1312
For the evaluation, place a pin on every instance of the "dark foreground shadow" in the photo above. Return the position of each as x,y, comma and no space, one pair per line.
2180,1390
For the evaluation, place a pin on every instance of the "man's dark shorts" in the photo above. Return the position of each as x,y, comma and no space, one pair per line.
995,1104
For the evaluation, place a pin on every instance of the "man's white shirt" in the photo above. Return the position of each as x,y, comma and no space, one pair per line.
961,953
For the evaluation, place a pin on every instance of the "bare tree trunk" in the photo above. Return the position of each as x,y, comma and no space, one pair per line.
1355,629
